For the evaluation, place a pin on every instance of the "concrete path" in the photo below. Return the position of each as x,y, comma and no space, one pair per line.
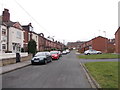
12,67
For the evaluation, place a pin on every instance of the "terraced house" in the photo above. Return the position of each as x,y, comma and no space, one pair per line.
3,36
14,33
14,37
99,43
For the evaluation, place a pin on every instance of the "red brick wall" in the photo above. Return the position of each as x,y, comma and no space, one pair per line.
25,40
6,15
111,48
117,41
100,44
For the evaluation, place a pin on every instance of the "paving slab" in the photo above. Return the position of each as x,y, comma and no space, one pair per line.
11,67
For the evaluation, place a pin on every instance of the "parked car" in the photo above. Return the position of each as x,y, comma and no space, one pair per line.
41,58
64,52
67,50
55,54
60,53
91,51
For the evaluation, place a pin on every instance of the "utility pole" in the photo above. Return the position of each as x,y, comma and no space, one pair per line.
105,41
99,32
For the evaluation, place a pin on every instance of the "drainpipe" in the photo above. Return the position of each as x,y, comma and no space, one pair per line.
7,39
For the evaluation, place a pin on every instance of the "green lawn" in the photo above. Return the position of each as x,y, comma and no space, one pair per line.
100,56
105,73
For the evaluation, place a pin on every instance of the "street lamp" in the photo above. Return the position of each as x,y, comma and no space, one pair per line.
105,41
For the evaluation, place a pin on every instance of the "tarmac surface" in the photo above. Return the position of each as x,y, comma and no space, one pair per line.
63,73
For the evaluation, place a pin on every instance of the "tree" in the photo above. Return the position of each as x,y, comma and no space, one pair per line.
32,47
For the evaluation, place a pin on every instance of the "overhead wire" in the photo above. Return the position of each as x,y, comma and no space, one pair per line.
31,16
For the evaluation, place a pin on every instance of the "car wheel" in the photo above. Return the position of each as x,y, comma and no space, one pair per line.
88,53
50,59
32,63
45,62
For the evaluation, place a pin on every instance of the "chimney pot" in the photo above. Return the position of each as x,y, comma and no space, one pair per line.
6,15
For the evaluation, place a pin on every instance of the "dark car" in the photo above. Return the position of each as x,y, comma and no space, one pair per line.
41,58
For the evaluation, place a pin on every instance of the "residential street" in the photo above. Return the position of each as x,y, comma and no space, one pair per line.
64,73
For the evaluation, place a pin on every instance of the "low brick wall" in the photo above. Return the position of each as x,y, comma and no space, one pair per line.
4,62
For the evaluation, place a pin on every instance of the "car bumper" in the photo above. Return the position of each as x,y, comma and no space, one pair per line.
55,57
38,62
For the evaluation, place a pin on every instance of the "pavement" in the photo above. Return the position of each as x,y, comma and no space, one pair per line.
11,67
63,73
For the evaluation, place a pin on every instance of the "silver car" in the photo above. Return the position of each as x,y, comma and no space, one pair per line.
91,51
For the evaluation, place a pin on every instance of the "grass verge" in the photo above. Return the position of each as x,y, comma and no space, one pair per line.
99,56
105,73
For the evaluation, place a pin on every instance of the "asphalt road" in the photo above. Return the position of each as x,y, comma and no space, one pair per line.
64,73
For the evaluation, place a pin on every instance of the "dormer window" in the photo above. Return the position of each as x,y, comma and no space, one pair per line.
31,28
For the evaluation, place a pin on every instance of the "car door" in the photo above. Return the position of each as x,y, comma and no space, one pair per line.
48,56
92,51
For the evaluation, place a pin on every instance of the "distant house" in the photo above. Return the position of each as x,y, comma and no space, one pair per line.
14,33
98,43
75,45
111,46
41,42
117,41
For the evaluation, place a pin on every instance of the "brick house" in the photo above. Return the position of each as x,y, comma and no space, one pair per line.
41,42
27,35
111,46
3,36
18,36
98,43
72,45
14,33
117,41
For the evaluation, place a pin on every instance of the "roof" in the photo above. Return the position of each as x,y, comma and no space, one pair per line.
117,30
10,23
2,23
98,37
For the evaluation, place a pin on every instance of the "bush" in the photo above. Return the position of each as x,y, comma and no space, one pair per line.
32,47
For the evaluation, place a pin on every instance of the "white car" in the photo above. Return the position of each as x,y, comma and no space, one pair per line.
64,52
67,50
88,52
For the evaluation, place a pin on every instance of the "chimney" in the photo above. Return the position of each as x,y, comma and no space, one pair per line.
30,24
5,15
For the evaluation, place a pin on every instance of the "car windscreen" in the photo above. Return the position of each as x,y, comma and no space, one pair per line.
40,54
53,52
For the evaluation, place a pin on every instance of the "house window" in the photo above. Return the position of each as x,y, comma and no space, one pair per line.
3,32
3,46
36,38
18,34
13,47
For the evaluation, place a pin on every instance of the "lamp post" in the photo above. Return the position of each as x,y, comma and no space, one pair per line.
105,41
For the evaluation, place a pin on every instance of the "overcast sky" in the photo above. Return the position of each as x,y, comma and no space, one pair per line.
68,20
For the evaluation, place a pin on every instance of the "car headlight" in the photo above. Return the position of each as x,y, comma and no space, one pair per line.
56,55
32,59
